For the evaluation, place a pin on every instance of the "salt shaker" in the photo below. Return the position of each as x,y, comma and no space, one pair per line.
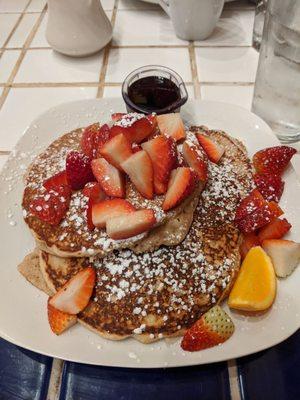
77,27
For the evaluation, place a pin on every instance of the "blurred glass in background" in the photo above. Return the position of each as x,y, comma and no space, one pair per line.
260,12
277,86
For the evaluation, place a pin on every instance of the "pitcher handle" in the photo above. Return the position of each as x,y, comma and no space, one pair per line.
165,6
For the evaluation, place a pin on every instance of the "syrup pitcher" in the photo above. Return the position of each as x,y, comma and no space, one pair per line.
77,27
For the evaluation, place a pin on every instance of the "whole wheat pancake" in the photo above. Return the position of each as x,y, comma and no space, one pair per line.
161,293
72,238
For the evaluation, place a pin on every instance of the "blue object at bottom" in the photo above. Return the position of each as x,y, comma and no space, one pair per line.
84,382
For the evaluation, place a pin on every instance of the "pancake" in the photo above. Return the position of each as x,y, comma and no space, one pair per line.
159,294
72,238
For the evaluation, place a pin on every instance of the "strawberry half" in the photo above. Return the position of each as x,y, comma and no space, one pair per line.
134,130
276,229
249,240
116,150
107,209
212,329
182,183
273,159
74,296
52,205
270,186
249,204
163,154
171,125
132,224
195,160
117,116
93,191
140,171
136,148
59,179
87,141
213,150
59,321
110,178
103,136
78,169
260,217
285,255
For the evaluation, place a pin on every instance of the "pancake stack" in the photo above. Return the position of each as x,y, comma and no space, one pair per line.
157,284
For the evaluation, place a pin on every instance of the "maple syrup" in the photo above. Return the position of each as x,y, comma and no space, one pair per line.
153,93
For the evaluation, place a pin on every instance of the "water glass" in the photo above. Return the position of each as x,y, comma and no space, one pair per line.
260,12
277,86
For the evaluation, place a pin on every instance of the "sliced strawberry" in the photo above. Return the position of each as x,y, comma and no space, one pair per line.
249,240
163,154
260,217
182,184
51,206
116,150
276,229
78,169
249,204
132,224
153,119
89,219
110,178
140,170
213,328
171,125
117,116
93,191
195,160
213,150
87,142
273,159
103,136
59,321
270,186
135,130
59,179
136,148
74,296
107,209
285,255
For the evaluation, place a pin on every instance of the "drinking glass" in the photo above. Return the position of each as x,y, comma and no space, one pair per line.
277,86
260,12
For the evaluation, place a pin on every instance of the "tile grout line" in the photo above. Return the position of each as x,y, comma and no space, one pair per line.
109,84
154,46
15,27
55,379
233,380
193,65
49,84
106,54
21,56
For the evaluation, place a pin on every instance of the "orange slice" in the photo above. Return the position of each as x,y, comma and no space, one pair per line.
255,286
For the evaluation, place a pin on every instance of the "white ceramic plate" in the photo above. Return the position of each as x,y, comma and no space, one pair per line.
157,1
23,316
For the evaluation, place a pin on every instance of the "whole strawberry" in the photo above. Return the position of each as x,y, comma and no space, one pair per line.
78,169
213,328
